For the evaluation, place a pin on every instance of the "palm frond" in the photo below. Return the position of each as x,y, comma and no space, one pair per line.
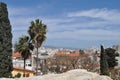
37,32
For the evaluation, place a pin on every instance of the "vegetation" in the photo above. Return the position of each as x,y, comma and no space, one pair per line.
62,63
24,47
111,54
103,63
18,75
81,52
37,32
6,66
112,61
37,35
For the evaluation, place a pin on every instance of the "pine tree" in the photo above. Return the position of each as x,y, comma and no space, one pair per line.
5,43
103,63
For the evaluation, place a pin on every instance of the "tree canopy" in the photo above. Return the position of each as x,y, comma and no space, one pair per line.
103,62
111,57
37,32
23,47
6,65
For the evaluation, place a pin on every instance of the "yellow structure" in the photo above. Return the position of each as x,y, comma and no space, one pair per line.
28,73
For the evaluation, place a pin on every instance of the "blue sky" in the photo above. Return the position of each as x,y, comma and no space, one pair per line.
71,23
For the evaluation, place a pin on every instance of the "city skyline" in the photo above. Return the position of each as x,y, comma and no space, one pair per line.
75,24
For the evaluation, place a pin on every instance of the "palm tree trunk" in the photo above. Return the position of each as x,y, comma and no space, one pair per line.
37,62
24,67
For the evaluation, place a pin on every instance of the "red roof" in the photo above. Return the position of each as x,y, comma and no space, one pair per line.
65,53
16,55
70,55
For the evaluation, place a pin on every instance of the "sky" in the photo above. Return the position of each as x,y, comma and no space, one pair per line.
70,23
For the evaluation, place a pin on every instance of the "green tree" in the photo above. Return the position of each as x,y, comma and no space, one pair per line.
23,47
81,52
18,75
103,63
6,65
112,61
111,54
37,32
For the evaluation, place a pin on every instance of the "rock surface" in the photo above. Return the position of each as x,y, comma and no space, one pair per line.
77,74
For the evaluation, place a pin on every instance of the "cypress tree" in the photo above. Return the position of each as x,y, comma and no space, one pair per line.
103,63
5,43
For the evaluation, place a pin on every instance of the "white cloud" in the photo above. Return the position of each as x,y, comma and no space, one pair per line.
112,15
93,18
20,23
20,11
17,34
86,34
74,26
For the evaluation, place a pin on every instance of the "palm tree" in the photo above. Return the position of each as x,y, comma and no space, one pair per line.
23,47
37,32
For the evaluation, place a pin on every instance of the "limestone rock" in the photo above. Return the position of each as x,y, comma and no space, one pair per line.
77,74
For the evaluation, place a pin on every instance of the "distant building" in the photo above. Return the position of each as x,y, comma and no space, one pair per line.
20,70
18,64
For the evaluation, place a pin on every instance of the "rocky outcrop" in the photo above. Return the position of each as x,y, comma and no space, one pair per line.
77,74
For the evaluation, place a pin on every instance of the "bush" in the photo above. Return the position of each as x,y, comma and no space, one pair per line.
18,75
